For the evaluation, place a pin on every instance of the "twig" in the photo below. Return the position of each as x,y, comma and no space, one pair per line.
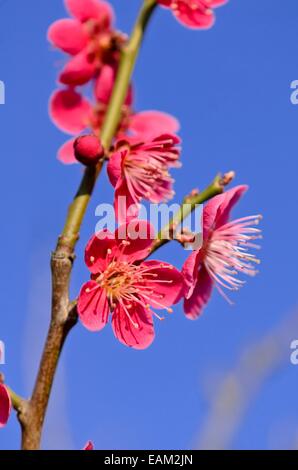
189,204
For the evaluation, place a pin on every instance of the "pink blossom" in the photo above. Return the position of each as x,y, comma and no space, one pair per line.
87,38
223,255
5,405
196,14
89,446
73,113
126,287
140,170
88,149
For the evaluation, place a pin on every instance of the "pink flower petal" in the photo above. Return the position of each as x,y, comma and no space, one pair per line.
166,3
190,272
93,307
97,249
140,235
79,70
114,168
125,204
5,405
89,446
85,10
149,124
217,3
197,18
217,211
170,290
194,306
68,35
66,153
138,330
105,83
196,14
69,111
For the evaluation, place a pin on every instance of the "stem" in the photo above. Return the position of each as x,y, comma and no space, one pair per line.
189,204
16,400
63,312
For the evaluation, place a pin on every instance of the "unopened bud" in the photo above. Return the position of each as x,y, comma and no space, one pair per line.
88,149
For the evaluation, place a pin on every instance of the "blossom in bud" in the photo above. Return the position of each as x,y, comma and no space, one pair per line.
88,149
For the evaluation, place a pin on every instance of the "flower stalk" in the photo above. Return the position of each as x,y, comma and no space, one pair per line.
189,204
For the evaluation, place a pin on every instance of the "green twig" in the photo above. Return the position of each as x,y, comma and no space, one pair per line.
16,401
189,204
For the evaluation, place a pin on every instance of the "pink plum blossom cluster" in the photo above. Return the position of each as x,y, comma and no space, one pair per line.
93,50
125,286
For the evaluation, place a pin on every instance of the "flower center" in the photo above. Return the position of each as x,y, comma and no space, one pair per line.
117,280
128,284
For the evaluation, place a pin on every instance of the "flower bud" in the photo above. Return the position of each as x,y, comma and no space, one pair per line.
88,149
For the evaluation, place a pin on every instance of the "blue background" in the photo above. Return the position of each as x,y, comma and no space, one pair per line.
230,88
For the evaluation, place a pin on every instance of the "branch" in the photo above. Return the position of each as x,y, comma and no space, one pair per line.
63,313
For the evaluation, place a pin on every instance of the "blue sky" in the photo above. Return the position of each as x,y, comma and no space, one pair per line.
230,89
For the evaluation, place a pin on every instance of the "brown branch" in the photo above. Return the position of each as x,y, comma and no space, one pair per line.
63,319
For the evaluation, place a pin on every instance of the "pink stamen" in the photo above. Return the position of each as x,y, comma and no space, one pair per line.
226,252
